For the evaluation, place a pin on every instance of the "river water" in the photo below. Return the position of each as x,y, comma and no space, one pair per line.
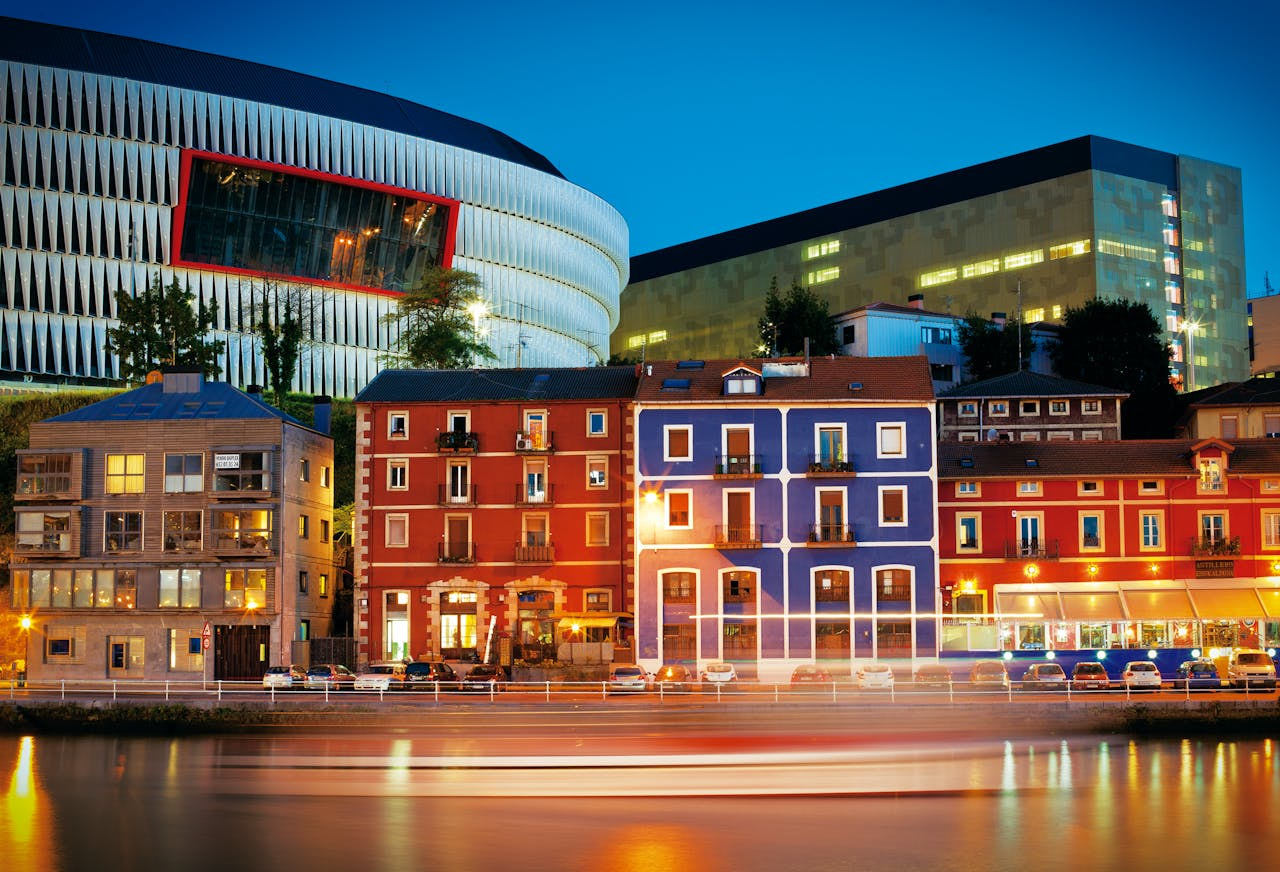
389,803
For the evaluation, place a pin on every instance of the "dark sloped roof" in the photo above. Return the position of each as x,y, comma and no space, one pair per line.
1028,384
879,379
1041,164
472,385
1262,390
72,48
213,400
897,309
1127,458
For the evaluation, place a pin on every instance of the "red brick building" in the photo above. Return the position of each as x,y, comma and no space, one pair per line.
492,499
1162,544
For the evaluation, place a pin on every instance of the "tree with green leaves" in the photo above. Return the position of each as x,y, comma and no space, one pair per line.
788,321
437,324
991,349
163,325
1119,344
280,325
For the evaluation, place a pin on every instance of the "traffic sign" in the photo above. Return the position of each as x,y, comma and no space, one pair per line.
206,636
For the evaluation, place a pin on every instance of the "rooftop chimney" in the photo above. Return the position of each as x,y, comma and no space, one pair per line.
915,301
322,413
181,379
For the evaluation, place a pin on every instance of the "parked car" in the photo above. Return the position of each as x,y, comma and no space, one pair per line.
987,674
381,676
1197,675
627,678
1141,675
875,675
933,676
673,678
283,677
1089,675
1249,667
486,678
430,675
810,676
1044,676
332,676
718,676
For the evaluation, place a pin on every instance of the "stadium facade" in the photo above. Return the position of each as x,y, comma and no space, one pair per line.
122,160
1083,219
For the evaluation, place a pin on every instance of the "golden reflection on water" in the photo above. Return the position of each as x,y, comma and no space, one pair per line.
26,827
644,849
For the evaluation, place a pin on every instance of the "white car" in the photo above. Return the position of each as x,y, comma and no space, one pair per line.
381,677
1141,674
628,677
718,675
282,677
875,675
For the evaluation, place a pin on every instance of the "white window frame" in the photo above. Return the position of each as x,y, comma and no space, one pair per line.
724,506
1155,491
1271,529
403,417
464,414
598,459
881,490
395,464
1060,436
1084,488
667,430
604,422
1090,435
1102,524
587,530
1059,407
967,409
997,408
1029,436
967,436
973,489
1029,488
976,517
388,521
1158,515
882,427
666,508
1035,408
1095,404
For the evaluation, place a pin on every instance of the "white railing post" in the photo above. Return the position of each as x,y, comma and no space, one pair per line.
114,686
166,691
219,690
64,689
548,691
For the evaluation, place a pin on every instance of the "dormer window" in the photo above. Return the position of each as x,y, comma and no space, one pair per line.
741,381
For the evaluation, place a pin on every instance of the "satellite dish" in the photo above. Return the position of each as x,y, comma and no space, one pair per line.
992,434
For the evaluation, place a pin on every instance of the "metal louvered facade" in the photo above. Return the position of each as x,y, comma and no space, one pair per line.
90,170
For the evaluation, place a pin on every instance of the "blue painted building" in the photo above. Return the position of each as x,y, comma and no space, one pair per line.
785,513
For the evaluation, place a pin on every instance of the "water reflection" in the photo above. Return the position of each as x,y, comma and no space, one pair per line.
390,803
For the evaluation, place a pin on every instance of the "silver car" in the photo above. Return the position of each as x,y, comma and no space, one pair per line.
627,677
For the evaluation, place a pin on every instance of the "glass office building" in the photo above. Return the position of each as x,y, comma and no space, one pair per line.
1083,219
123,161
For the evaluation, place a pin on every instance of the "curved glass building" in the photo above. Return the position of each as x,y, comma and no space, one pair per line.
122,160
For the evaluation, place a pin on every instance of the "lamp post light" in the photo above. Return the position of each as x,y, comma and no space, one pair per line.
477,310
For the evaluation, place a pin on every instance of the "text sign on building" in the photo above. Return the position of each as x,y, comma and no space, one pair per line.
226,461
1215,568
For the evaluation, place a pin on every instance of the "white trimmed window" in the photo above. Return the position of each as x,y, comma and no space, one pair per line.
398,425
677,442
397,531
891,439
398,474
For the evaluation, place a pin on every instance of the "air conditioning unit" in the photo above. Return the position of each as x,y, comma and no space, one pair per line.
524,443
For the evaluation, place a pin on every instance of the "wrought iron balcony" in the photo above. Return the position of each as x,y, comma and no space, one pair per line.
458,442
457,552
739,535
1211,546
826,464
1031,549
451,496
526,497
738,466
831,534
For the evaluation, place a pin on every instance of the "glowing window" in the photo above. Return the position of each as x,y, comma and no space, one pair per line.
1069,249
1034,316
657,336
1172,292
938,277
1024,258
981,268
1171,264
821,249
1057,311
824,275
636,341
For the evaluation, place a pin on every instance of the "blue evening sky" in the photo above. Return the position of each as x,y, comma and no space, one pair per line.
696,117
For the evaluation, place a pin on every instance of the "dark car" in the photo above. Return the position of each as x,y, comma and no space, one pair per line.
810,676
1044,676
1197,675
430,675
674,678
330,676
1090,675
485,678
932,676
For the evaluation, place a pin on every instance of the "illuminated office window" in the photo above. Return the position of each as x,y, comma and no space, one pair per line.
1171,320
1127,249
1057,312
821,249
1034,316
1024,258
1069,249
657,336
636,341
1172,292
824,275
1170,235
1193,273
938,277
1169,205
1171,265
981,268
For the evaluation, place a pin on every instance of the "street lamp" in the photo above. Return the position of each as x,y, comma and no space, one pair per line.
1189,327
477,310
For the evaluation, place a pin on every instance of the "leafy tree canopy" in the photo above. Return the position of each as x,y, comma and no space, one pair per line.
437,330
164,325
991,350
281,331
1119,344
788,320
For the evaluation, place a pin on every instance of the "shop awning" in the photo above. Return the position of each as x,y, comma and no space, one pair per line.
1100,606
1158,605
568,623
1270,602
1228,603
1043,604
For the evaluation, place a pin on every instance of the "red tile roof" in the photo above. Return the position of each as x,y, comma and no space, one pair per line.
1128,458
881,379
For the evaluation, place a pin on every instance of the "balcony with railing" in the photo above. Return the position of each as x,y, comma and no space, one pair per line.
458,442
1031,549
454,495
545,553
830,465
831,535
525,496
535,442
730,536
1215,546
457,552
893,593
738,466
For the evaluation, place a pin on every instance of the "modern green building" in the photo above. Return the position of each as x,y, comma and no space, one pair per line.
1086,218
